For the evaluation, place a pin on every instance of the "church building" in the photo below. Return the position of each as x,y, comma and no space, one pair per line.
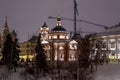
58,45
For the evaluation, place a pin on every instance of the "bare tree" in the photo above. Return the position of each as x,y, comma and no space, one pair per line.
87,64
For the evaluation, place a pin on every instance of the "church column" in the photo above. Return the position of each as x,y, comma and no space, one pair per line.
66,52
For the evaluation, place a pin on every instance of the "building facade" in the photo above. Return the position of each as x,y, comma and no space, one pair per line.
28,50
108,43
58,45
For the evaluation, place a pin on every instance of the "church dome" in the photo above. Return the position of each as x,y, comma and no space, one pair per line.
58,28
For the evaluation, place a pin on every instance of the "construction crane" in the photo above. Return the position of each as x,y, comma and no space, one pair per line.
75,15
115,26
88,22
82,32
75,20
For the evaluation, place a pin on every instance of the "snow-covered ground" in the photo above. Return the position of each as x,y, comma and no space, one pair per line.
18,75
105,72
108,72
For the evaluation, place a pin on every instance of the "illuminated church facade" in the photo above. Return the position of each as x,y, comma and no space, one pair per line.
57,44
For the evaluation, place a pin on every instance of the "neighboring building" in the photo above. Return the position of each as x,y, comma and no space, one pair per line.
109,42
28,49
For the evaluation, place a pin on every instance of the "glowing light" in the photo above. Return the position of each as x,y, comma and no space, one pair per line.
55,37
62,37
44,42
73,42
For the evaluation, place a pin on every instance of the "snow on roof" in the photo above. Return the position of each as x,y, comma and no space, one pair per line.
114,30
73,42
44,42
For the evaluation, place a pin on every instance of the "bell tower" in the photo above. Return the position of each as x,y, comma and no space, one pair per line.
5,29
44,30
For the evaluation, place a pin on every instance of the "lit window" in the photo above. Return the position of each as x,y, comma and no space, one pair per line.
49,37
61,57
75,46
72,56
62,37
47,28
61,52
104,44
112,44
55,54
66,37
71,46
55,37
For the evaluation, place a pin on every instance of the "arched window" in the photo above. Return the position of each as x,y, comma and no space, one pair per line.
61,53
72,50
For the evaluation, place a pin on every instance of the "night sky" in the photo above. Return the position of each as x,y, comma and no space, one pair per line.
27,16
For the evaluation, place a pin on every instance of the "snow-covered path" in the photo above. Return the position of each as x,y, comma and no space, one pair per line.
108,72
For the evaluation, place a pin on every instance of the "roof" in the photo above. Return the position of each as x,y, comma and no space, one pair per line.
33,39
114,30
44,42
73,42
76,36
58,28
44,25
